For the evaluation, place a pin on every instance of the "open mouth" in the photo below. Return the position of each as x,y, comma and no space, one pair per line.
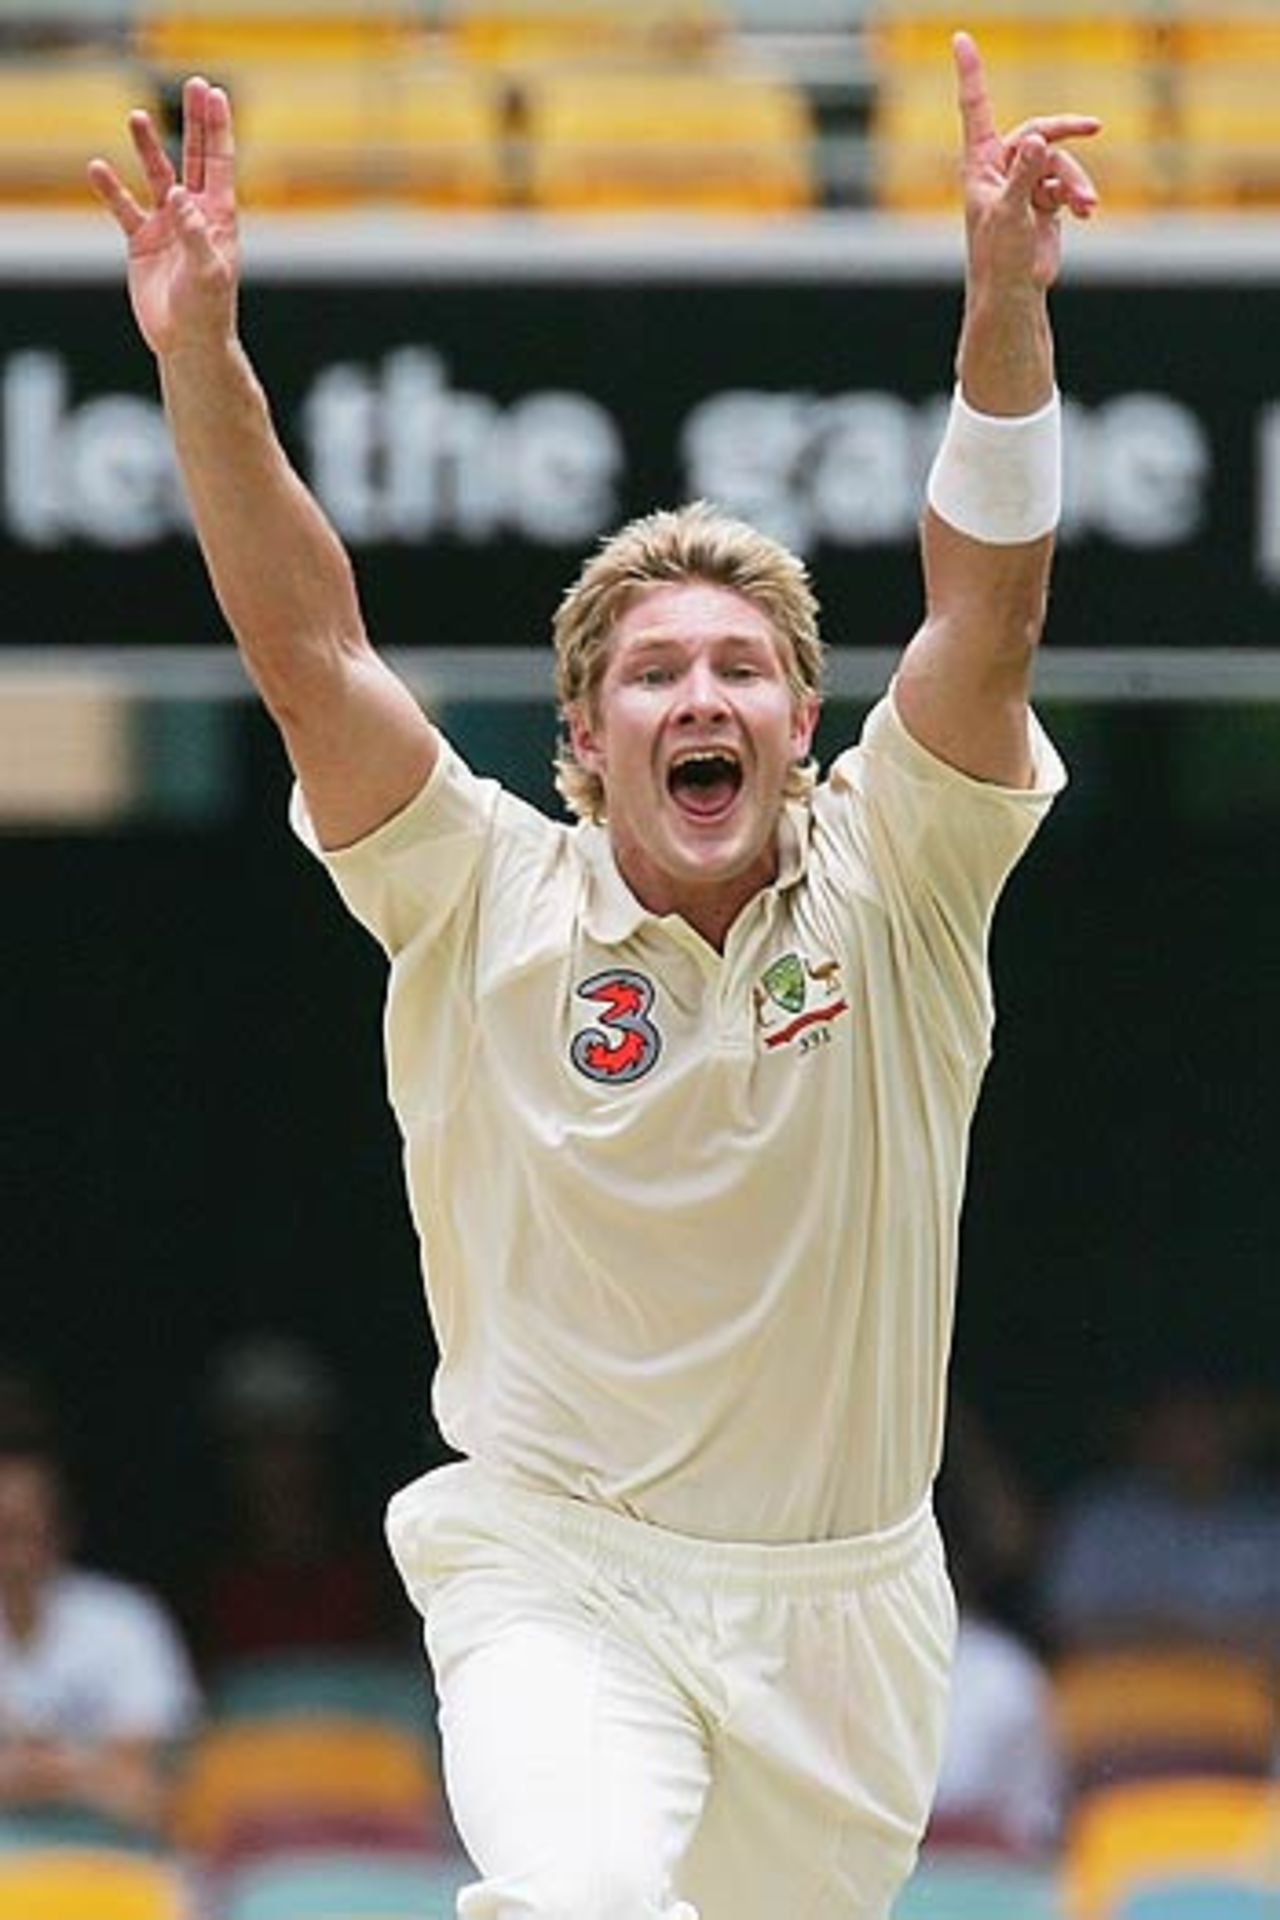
705,781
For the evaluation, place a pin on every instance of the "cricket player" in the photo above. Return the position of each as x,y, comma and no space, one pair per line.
685,1087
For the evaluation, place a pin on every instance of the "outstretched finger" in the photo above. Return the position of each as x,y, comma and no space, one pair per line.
149,147
1056,126
220,145
977,121
195,107
116,197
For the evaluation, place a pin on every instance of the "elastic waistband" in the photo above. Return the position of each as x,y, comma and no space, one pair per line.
615,1540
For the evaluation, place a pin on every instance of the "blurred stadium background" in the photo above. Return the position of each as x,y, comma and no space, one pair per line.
514,271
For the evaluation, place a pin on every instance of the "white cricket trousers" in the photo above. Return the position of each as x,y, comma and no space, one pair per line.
639,1725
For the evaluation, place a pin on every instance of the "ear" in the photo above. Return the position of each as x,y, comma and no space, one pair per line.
804,718
584,737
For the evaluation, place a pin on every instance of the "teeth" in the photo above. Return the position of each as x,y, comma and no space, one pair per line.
705,756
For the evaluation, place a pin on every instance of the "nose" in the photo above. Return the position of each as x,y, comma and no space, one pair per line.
702,695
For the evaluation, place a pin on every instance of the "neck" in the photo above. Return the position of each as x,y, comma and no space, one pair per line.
708,905
713,922
709,911
21,1609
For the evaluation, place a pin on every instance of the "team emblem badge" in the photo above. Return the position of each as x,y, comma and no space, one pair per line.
797,999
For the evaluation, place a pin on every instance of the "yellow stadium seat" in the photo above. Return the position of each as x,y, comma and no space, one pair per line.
1082,60
331,134
242,1773
1129,1711
1175,1702
1126,1836
724,141
55,114
519,32
1233,30
72,1883
214,34
1226,92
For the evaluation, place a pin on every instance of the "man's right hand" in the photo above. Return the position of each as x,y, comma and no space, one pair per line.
360,743
183,251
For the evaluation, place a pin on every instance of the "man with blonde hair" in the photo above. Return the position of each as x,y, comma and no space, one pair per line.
685,1090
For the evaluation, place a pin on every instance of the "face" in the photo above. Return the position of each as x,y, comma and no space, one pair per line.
693,733
30,1525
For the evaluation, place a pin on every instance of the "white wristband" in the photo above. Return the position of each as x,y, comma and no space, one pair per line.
998,478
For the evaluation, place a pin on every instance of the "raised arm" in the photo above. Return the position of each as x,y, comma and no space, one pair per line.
965,678
360,744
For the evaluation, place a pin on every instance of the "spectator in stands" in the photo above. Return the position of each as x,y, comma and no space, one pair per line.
1002,1780
286,1573
95,1684
1179,1541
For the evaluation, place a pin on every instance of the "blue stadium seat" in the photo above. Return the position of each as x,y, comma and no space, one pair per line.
978,1887
358,1686
345,1886
1201,1899
71,1826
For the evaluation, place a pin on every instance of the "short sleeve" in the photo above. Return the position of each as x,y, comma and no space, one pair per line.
404,880
934,847
955,833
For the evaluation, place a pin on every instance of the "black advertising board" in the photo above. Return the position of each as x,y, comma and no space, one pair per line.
473,425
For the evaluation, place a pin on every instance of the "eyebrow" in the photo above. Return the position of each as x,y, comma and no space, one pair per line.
667,642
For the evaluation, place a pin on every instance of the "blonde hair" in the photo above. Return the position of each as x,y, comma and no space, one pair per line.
692,543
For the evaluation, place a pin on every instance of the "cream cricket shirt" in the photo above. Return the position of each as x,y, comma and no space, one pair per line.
688,1219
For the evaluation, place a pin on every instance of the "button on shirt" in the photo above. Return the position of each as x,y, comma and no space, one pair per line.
689,1218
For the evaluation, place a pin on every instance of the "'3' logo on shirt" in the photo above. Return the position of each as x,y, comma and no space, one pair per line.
624,1042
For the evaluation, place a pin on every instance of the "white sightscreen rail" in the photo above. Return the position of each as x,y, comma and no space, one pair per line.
510,675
